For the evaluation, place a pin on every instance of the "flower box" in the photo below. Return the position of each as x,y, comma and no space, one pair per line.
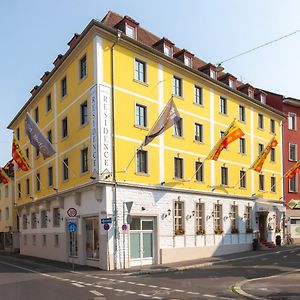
200,231
218,231
179,231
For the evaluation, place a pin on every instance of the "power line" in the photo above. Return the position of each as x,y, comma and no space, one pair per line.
258,47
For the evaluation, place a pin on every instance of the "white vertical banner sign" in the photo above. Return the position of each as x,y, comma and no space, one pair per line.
94,129
105,145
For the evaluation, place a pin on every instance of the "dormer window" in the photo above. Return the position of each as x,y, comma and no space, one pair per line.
263,98
212,74
130,31
250,93
168,50
187,61
231,83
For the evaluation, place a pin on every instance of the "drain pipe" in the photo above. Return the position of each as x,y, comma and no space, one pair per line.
118,36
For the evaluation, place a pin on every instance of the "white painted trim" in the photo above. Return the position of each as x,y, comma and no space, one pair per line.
252,147
98,59
212,135
161,165
56,137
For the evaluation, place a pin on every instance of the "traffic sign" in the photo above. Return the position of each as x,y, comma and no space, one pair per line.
106,226
106,220
72,227
72,212
72,220
124,227
129,219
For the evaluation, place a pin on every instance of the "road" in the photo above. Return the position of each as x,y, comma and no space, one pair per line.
28,279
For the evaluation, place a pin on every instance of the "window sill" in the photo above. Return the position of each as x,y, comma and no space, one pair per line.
198,181
243,188
178,179
141,82
243,154
198,104
80,80
142,174
64,138
141,127
178,137
243,122
178,97
198,142
83,125
224,115
260,129
63,97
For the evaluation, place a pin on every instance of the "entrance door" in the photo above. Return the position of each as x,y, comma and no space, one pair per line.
141,241
262,226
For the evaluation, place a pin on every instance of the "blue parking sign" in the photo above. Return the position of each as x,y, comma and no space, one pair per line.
72,227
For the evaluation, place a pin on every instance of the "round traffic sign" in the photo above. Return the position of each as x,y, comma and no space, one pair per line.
72,227
106,226
72,212
124,227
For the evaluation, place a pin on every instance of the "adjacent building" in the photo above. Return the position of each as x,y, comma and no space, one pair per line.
9,226
291,154
166,201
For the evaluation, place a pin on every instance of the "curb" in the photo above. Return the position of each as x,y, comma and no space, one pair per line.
201,265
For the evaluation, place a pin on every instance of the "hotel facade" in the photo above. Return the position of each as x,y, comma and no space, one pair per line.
166,201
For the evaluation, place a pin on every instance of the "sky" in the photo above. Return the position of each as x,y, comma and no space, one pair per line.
34,32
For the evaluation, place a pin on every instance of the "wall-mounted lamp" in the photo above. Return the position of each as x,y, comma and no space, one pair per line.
164,215
163,183
225,218
193,213
143,208
208,217
169,212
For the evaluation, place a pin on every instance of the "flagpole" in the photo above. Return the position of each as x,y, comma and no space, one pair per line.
201,165
131,160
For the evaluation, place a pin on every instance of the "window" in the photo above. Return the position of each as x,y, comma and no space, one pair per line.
18,133
33,240
272,155
141,115
33,220
292,152
48,103
212,74
36,114
178,166
199,171
243,183
64,127
130,31
27,152
38,182
92,238
44,240
250,93
293,184
24,219
63,87
260,148
199,214
248,218
56,240
261,182
83,113
198,132
49,136
218,226
273,184
82,67
65,168
50,176
242,146
178,218
291,121
25,239
6,191
260,121
234,217
142,162
242,113
168,50
6,213
27,186
37,152
231,83
263,99
177,86
84,160
223,105
19,190
198,95
224,176
272,126
140,70
222,135
178,128
187,61
44,219
56,217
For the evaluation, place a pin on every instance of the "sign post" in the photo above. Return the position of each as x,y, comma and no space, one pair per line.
72,224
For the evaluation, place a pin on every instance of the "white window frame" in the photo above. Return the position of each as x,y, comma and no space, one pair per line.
223,106
242,113
187,61
177,89
145,169
168,50
292,121
293,184
198,95
140,75
261,182
130,31
178,216
139,106
198,132
199,218
260,121
224,176
199,169
181,171
273,184
272,126
178,128
242,145
218,217
243,179
295,150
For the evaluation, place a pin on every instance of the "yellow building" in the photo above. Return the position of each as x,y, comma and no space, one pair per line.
9,231
96,107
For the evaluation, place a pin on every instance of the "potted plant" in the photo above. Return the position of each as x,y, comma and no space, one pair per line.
277,229
179,231
218,231
200,231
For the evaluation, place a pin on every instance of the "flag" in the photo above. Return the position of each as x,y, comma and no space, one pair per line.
18,156
168,117
258,163
37,139
293,170
3,177
232,133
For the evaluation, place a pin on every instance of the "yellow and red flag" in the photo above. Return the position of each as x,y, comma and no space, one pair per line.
18,156
258,163
3,177
232,133
293,170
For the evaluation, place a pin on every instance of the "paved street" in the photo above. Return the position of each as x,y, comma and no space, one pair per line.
26,279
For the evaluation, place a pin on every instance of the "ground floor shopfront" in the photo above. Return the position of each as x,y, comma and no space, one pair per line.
153,225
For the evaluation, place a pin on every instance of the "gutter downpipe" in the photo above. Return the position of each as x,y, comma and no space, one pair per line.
118,36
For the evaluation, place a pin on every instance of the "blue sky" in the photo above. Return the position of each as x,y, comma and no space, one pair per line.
33,32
